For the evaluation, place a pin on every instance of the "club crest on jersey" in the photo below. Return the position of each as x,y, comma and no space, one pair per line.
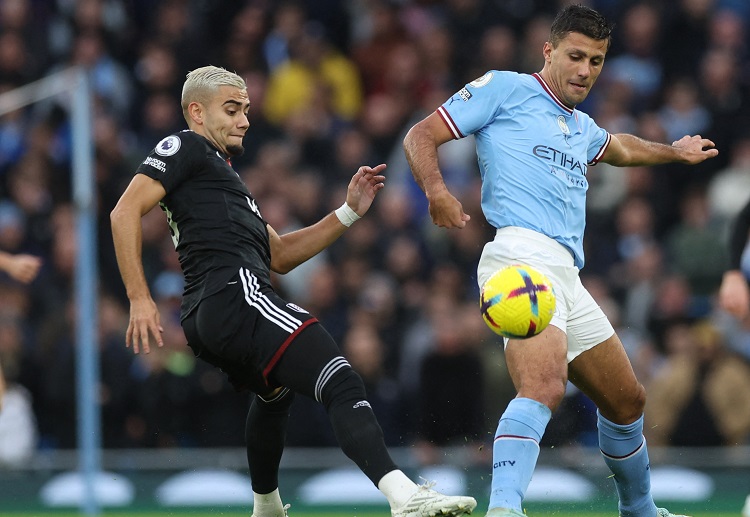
563,125
168,146
482,81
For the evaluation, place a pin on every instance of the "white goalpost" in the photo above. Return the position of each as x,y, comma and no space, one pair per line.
73,81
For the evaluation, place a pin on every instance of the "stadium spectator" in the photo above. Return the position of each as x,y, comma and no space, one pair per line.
365,351
700,397
315,77
638,66
695,248
382,32
18,429
450,377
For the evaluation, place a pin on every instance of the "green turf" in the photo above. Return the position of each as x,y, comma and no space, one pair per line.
215,513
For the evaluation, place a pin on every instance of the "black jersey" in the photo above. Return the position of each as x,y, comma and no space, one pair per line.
214,221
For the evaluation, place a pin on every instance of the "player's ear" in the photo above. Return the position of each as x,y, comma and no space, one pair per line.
196,112
547,50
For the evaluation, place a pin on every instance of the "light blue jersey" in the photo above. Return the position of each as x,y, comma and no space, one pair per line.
533,154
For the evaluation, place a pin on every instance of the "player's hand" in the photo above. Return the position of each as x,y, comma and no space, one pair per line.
695,149
144,320
734,294
363,188
446,211
24,268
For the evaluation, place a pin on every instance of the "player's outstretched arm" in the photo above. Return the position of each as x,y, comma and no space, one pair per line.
292,249
420,146
627,150
734,294
363,187
21,267
142,195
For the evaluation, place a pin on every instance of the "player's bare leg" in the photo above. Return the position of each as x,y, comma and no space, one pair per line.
538,368
605,375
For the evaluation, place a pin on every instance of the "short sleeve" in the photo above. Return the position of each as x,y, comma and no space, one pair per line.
173,160
477,104
598,142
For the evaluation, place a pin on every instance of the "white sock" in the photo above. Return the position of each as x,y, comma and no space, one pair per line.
267,504
397,488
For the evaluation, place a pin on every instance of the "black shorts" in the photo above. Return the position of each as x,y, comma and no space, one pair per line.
244,330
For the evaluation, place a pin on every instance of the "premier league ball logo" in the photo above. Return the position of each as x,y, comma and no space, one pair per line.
168,146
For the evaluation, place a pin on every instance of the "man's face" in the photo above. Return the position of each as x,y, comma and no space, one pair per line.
572,68
225,119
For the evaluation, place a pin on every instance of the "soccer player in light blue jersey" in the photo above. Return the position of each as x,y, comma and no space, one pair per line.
534,150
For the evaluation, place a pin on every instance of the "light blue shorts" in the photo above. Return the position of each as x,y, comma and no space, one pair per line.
576,312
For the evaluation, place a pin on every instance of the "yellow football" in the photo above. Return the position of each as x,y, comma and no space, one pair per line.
517,302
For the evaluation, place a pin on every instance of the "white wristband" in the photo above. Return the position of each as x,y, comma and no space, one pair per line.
346,215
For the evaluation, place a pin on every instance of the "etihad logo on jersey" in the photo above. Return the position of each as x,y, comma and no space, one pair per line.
156,164
560,158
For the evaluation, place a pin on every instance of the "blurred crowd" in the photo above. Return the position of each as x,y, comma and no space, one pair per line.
335,84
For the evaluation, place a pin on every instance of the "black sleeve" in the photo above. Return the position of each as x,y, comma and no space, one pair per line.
173,160
738,237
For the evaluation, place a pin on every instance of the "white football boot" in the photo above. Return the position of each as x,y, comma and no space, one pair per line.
428,503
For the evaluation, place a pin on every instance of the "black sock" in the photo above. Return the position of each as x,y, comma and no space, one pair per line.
313,366
265,432
355,426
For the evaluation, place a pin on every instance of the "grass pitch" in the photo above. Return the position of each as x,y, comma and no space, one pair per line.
221,513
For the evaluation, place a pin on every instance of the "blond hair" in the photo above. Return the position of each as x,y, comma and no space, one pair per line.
203,82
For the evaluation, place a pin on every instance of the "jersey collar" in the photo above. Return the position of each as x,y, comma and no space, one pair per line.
549,91
221,155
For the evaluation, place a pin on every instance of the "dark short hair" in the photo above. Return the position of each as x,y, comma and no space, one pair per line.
583,20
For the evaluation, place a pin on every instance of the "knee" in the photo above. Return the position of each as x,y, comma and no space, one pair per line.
628,408
637,403
549,393
279,400
345,386
554,394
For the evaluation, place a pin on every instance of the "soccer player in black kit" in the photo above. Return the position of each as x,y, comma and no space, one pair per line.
231,315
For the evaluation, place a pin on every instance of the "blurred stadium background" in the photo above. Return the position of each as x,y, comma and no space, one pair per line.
335,84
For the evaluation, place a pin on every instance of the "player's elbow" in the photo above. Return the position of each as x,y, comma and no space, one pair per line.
120,215
281,267
416,133
115,216
281,262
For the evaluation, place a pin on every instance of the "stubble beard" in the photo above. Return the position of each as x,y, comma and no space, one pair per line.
235,150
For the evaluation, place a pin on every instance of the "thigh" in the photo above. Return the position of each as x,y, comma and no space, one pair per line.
538,366
309,363
245,330
605,375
